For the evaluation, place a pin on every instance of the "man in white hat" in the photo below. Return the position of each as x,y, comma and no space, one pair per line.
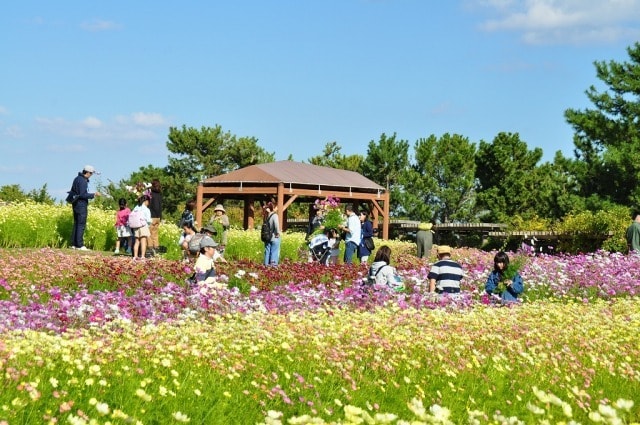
445,274
79,196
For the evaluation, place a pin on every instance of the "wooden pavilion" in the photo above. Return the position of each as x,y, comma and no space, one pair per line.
286,182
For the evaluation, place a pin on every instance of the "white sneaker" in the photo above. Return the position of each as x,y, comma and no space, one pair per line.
83,248
74,247
117,251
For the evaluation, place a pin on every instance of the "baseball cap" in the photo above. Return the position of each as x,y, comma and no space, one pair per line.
207,241
90,169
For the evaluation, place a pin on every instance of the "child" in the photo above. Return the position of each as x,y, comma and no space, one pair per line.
187,218
122,230
334,243
188,231
142,233
513,285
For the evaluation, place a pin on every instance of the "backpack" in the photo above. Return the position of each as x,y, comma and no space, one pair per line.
371,279
194,243
136,219
187,217
265,232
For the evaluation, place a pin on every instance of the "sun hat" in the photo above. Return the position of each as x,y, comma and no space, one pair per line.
207,241
444,249
219,207
425,226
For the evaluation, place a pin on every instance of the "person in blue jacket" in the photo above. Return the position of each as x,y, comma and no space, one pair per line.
513,285
79,196
364,250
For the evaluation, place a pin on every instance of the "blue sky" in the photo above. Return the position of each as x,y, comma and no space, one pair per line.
100,83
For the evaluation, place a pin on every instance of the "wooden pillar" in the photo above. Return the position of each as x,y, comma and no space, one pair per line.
281,214
199,199
374,219
385,225
249,213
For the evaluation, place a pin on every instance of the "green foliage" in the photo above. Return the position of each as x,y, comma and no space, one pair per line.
14,193
210,151
385,163
331,157
506,172
517,222
440,184
593,230
607,138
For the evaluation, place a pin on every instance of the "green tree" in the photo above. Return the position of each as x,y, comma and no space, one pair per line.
199,154
607,138
387,160
506,173
557,189
440,184
331,157
41,195
12,193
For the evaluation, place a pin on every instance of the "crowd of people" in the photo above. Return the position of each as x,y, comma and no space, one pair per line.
137,232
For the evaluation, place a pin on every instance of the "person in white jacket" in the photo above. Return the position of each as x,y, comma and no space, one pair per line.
382,273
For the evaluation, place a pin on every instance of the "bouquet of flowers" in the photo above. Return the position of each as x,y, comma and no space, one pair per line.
139,189
508,274
333,216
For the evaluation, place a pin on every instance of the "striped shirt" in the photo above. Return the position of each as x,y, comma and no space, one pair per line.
447,274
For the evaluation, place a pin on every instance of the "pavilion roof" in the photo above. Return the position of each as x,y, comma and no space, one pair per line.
295,173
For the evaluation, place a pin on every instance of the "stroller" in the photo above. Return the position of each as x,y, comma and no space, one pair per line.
320,249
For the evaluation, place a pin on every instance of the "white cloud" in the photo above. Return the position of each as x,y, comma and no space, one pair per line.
3,110
92,122
13,131
120,130
565,21
99,25
149,119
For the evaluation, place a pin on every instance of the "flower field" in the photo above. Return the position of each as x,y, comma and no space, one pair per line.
102,339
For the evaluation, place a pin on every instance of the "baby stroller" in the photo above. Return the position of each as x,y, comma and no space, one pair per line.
320,249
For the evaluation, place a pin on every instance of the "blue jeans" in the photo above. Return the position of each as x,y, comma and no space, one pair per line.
79,224
272,252
349,249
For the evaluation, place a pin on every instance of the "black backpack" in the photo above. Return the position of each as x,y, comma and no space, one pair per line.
265,232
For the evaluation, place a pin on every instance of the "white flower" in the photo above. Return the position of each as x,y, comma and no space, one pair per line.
102,408
624,404
180,417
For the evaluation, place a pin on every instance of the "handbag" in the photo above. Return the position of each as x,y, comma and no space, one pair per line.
368,243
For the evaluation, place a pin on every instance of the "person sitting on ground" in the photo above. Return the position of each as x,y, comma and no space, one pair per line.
445,274
188,232
382,273
513,285
205,271
187,218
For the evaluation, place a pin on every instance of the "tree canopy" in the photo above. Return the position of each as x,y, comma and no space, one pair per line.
607,138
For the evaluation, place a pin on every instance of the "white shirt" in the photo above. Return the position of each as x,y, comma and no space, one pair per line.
355,229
